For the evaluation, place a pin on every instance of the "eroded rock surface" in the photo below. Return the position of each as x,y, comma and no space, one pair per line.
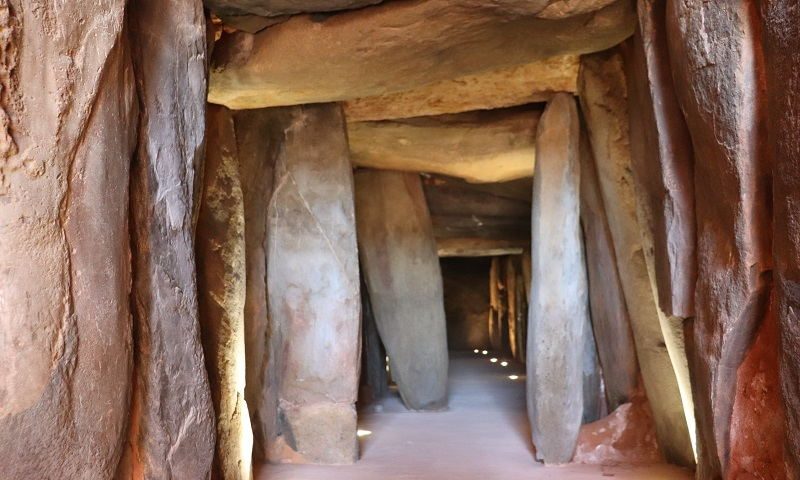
782,57
171,379
559,309
402,272
256,142
604,101
490,146
314,300
612,328
662,160
304,60
68,133
221,280
716,65
274,8
507,87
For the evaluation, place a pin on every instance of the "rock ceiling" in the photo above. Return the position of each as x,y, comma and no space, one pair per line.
424,59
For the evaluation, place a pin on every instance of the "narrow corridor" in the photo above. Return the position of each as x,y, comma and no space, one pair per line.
484,435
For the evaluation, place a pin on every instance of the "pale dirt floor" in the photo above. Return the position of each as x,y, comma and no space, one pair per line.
483,436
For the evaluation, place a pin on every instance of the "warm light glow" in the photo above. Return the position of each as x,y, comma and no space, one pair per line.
485,352
477,351
504,364
363,433
513,377
493,360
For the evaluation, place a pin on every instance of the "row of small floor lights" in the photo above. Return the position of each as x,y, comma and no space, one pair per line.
494,360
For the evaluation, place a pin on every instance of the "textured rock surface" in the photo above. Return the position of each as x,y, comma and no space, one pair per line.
507,87
782,56
662,160
603,98
594,402
221,280
401,268
171,430
68,121
374,377
304,60
612,328
626,436
490,146
272,8
466,302
498,307
256,142
559,307
314,300
720,90
566,8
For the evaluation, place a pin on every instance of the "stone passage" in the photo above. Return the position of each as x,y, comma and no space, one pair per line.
559,310
401,268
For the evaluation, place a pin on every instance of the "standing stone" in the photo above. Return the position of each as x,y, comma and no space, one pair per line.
171,429
559,304
374,377
610,320
256,143
594,402
662,160
496,304
221,283
604,100
314,299
401,267
782,57
513,307
67,135
716,66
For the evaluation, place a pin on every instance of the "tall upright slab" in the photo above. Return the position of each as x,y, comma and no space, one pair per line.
603,96
781,33
221,285
168,42
402,272
716,66
611,323
67,135
314,298
257,140
559,310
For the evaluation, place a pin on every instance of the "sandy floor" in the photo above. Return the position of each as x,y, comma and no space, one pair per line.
483,436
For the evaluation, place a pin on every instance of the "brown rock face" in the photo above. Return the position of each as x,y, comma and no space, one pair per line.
716,63
559,309
170,375
662,160
256,142
272,8
490,146
68,134
507,87
604,101
401,268
782,56
221,284
304,60
612,328
314,299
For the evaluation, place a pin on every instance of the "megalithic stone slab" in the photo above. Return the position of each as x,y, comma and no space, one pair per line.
68,121
402,272
374,377
221,279
716,65
314,298
603,96
496,304
662,160
559,310
256,142
169,50
611,324
782,57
